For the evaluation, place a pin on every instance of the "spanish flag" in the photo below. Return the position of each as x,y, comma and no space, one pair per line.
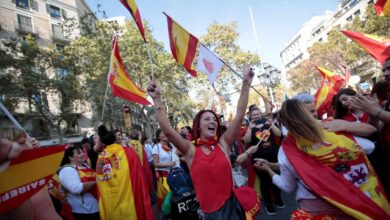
122,188
361,199
121,84
331,85
133,9
27,175
183,45
382,7
378,47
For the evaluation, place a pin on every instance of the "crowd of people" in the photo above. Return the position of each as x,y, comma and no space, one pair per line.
335,165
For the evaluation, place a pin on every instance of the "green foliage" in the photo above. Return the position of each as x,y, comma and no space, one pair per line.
30,75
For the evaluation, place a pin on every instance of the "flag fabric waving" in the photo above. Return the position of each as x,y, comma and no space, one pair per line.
183,45
121,84
134,11
209,63
27,175
330,86
382,7
377,47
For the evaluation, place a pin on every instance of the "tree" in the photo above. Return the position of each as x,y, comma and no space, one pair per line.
94,50
34,73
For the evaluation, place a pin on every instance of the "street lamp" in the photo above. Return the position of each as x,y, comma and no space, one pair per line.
270,77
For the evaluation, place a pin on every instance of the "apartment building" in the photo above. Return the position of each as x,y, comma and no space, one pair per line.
317,29
45,19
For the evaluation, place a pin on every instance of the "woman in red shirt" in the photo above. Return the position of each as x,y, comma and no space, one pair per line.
207,156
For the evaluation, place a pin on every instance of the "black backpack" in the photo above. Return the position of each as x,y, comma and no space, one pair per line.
179,181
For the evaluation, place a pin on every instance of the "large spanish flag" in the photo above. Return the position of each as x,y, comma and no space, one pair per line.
355,190
27,175
134,11
378,47
183,45
330,86
382,7
122,187
121,84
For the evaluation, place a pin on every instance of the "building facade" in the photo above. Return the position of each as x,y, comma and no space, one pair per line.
45,20
317,29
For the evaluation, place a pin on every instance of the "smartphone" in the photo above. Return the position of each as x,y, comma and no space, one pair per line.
260,121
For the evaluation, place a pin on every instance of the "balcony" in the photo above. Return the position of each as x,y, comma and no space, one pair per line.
26,29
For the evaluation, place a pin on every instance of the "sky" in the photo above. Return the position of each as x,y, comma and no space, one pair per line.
276,20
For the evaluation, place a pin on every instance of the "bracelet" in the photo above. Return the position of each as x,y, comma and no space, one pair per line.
379,113
247,155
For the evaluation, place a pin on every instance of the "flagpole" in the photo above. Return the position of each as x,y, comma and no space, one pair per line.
258,51
150,59
13,120
104,103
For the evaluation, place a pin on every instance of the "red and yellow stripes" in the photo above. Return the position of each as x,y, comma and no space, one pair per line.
330,86
123,192
134,11
378,47
382,7
27,175
121,84
183,45
333,186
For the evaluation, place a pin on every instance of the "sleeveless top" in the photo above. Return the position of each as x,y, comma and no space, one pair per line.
212,178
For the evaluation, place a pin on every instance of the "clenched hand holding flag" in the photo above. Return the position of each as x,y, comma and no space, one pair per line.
121,84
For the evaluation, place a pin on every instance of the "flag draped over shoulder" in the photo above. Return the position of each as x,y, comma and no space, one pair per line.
377,47
27,175
133,9
382,7
330,86
336,188
121,84
122,187
209,63
183,45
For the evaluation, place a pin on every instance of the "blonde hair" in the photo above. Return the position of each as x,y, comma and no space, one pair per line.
299,121
11,133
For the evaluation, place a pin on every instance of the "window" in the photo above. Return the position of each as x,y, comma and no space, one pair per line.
349,18
24,23
54,11
357,13
353,3
58,32
22,4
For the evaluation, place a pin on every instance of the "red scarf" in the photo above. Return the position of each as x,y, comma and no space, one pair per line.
210,143
166,148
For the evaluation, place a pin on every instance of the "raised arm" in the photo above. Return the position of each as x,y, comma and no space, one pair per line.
228,138
182,144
